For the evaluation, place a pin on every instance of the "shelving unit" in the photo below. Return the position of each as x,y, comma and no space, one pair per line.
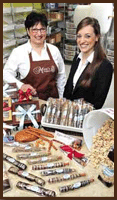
61,30
13,28
14,32
70,46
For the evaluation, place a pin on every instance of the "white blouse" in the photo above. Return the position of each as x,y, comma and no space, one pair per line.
81,67
18,61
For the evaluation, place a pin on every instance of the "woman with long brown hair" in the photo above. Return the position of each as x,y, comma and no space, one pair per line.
91,72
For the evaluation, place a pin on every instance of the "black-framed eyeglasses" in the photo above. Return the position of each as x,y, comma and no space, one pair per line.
35,30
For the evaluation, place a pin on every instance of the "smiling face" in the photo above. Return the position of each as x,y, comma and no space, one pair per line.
86,39
37,34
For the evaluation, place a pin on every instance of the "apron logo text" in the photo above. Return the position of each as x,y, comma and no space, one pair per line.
42,70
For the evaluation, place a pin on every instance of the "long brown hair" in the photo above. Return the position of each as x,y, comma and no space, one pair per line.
99,53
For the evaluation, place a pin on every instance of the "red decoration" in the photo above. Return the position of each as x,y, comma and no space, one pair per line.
5,106
72,153
25,95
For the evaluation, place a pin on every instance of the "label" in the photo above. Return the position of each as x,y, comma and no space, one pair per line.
50,165
44,158
34,154
66,139
59,170
11,160
66,176
33,188
25,174
28,147
77,185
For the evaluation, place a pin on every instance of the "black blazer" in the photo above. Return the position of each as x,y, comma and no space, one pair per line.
97,92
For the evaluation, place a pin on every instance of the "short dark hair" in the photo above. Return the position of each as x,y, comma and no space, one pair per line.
35,18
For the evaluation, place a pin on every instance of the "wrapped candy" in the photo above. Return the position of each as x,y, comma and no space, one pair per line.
49,165
65,177
36,189
57,171
26,175
75,185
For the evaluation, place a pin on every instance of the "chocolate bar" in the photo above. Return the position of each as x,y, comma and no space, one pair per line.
26,175
34,188
14,161
65,177
75,185
27,149
57,171
49,165
32,155
44,159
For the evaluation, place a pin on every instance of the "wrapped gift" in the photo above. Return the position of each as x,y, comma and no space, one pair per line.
10,90
7,112
26,112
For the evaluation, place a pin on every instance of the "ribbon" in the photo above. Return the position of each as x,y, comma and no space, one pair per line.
6,107
72,153
25,95
7,127
23,112
6,90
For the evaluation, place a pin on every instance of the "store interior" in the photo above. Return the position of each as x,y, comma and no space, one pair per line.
61,30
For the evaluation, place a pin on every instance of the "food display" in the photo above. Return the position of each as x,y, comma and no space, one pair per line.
57,157
67,113
102,142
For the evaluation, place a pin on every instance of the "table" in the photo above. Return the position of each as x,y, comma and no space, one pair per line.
95,189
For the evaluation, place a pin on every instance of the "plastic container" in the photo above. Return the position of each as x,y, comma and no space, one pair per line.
70,24
71,31
69,53
70,47
70,36
93,121
70,58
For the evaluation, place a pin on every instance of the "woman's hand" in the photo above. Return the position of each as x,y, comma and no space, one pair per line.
24,88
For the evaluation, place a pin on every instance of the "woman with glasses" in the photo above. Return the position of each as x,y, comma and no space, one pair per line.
91,72
39,64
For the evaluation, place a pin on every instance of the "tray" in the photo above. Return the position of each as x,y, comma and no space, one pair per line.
65,129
